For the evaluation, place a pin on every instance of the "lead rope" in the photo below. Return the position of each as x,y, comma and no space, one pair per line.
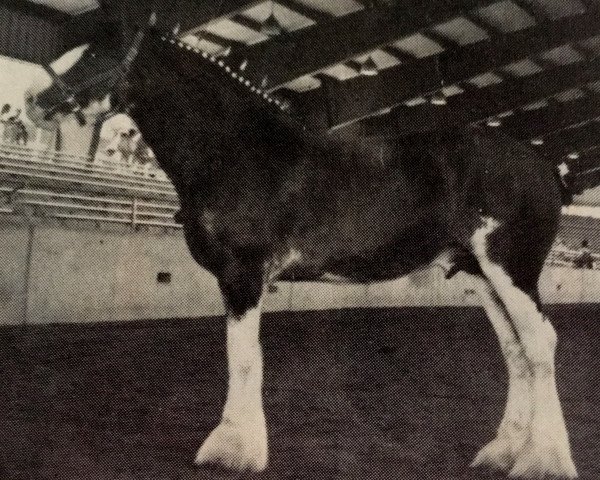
122,69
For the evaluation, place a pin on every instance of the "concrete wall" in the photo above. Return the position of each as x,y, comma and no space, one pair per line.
14,261
57,273
89,275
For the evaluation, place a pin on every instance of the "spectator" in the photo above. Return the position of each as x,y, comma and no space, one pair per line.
5,112
128,147
560,244
20,131
5,130
585,259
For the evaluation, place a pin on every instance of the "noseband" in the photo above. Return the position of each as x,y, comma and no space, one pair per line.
117,75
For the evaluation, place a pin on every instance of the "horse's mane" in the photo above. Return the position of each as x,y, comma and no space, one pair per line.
198,66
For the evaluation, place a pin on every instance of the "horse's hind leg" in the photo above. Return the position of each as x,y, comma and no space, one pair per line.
513,431
546,452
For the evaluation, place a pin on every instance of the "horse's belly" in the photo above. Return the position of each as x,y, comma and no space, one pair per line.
355,269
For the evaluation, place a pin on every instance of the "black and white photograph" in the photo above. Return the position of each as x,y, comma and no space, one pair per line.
299,239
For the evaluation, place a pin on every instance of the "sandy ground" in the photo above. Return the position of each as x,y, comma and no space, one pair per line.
382,394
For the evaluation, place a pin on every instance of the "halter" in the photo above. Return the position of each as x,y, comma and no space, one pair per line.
118,74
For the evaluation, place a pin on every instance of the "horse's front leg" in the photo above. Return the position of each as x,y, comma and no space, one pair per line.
240,441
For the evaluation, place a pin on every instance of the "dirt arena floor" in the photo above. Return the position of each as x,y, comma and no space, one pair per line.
356,394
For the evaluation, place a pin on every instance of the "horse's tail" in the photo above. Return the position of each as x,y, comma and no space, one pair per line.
575,183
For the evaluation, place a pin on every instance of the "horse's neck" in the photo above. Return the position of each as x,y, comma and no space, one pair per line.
76,139
195,136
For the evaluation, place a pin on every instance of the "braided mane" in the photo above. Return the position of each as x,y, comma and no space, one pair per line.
231,74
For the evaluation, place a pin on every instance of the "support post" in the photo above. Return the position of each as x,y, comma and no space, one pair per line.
134,206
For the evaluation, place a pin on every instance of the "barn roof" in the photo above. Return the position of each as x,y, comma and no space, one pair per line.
530,66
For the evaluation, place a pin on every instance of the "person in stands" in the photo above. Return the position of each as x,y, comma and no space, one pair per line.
5,127
5,113
20,130
585,259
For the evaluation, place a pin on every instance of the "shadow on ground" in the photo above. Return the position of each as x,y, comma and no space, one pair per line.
385,394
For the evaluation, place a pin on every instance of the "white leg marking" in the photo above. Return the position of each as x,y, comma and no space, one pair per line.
240,440
547,452
513,431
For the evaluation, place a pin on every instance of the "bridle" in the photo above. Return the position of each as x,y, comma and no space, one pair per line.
117,74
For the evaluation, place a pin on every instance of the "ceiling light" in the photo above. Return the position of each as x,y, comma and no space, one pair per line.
573,156
369,68
439,99
537,141
493,122
271,26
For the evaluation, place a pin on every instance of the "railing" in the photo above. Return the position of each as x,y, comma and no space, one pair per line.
135,211
114,192
47,169
99,163
52,184
561,256
51,204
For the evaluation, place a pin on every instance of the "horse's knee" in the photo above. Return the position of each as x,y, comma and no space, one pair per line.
516,359
539,345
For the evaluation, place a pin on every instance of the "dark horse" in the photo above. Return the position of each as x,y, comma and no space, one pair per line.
264,200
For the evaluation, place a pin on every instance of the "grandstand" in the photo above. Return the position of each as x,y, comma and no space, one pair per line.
49,184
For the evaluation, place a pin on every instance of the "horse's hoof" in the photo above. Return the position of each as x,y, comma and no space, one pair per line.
236,447
544,461
497,455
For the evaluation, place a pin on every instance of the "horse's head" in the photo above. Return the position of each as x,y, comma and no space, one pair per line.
84,81
124,141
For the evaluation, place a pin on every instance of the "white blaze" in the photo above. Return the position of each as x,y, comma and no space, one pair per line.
60,66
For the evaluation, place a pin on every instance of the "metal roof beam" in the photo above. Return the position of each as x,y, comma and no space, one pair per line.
567,140
36,10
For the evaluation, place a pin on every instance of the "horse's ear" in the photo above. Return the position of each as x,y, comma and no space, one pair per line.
152,19
176,29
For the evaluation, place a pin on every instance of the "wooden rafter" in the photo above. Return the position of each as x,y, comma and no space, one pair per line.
556,117
361,97
401,56
533,10
306,11
293,5
315,48
443,41
491,101
246,22
490,30
193,16
580,138
214,38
